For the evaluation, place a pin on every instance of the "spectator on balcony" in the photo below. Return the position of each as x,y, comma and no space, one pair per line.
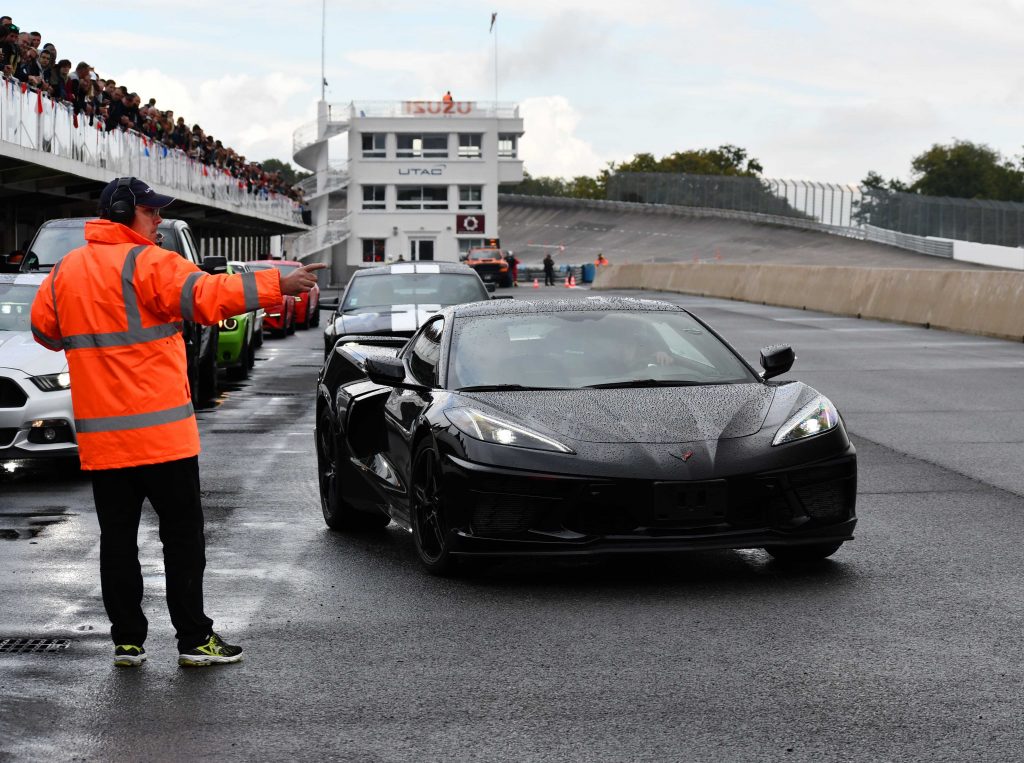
59,80
10,53
35,39
81,90
29,70
6,20
115,107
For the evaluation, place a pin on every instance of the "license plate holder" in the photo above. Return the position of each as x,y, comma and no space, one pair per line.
690,503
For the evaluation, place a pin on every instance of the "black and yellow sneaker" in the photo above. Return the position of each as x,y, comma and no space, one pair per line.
213,652
129,655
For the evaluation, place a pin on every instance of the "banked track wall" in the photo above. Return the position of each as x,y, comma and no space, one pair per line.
972,301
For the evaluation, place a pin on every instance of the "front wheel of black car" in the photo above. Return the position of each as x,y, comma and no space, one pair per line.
813,552
208,371
429,529
338,514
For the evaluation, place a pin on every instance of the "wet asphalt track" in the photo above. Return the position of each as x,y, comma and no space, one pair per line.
905,647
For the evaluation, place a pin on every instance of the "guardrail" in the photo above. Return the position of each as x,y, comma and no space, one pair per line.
334,179
35,122
920,244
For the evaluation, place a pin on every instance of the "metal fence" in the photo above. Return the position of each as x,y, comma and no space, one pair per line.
844,206
35,122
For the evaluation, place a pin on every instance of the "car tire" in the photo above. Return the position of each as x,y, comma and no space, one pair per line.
315,321
306,321
208,372
241,371
426,509
813,552
338,514
291,326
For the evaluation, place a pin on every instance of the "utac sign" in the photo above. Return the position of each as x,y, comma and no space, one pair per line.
438,108
469,223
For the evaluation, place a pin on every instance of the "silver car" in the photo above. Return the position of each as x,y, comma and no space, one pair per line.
36,419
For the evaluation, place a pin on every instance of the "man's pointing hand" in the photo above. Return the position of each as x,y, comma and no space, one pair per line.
300,280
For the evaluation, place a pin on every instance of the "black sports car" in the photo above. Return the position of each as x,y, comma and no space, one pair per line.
396,299
578,427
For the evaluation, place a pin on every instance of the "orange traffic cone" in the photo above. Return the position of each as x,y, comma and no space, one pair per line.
572,282
535,284
567,283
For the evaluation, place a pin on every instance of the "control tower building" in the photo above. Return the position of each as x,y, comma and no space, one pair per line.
421,179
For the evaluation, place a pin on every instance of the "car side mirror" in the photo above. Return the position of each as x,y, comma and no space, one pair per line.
776,360
389,372
329,304
214,265
490,286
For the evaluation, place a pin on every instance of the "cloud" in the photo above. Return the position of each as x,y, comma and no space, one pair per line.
550,146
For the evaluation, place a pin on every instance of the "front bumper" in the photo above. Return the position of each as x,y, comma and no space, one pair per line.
229,347
19,440
502,512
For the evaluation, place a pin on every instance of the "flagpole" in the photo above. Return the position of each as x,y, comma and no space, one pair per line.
495,25
323,53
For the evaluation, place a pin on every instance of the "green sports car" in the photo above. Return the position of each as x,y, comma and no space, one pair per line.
240,335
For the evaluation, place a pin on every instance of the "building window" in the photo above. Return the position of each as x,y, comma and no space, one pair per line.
422,197
469,145
374,146
428,146
373,197
507,143
471,197
373,250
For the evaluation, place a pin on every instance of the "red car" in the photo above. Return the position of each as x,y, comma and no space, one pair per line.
279,319
306,308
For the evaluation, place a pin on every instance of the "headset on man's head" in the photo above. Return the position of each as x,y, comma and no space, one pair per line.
121,208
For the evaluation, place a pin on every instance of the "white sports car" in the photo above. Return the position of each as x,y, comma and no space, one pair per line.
36,418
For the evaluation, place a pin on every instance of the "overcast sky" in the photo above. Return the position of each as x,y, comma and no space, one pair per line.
822,90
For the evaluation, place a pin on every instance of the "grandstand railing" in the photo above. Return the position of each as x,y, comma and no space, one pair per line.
336,178
34,121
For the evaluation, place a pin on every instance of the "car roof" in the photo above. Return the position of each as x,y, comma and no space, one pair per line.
22,279
411,268
272,262
588,304
78,222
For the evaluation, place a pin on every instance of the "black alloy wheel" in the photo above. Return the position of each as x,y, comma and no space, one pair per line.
429,529
306,321
250,358
813,552
338,514
315,320
291,324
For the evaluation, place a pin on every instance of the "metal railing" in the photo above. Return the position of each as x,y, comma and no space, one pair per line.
334,179
320,239
34,121
843,206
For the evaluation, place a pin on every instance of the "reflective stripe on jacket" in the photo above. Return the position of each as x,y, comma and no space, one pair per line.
115,307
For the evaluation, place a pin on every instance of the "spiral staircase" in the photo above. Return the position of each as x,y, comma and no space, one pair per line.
310,151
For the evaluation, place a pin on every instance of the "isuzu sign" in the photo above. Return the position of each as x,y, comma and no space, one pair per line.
438,108
469,223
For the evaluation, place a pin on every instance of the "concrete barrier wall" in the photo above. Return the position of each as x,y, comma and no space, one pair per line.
989,254
990,303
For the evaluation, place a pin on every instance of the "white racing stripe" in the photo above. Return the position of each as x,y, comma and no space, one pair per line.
403,268
420,268
425,311
403,318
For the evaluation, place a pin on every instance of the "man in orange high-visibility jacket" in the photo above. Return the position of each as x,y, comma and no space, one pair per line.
114,306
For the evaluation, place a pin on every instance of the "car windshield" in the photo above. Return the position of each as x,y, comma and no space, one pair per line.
16,306
54,241
413,288
486,255
590,349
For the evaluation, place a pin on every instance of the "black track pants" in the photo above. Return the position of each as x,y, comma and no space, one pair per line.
173,490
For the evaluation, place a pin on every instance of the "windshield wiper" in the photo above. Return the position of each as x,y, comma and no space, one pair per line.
646,383
502,387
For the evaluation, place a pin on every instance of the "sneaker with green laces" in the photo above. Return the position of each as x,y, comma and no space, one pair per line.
129,655
213,652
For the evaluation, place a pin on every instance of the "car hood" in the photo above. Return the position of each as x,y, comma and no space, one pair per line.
18,350
647,415
398,319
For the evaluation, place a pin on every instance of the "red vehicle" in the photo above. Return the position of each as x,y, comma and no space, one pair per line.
279,319
307,312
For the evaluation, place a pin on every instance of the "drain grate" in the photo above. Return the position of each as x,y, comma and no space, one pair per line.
33,645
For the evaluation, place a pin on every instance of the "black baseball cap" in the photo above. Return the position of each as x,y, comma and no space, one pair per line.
144,195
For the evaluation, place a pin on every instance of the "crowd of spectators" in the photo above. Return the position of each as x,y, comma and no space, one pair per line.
113,106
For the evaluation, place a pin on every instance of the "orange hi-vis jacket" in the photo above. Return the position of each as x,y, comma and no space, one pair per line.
114,306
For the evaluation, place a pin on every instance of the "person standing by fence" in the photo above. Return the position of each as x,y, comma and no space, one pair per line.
549,270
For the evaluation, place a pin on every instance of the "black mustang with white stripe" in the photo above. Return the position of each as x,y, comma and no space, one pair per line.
397,299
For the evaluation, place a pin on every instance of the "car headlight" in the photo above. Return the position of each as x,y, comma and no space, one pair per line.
817,417
482,426
52,382
229,324
298,299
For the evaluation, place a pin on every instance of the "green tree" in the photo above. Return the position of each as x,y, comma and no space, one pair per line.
290,174
968,171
